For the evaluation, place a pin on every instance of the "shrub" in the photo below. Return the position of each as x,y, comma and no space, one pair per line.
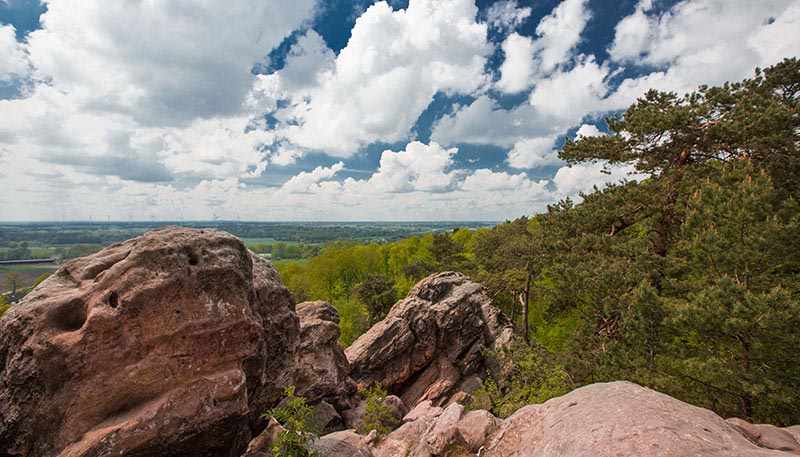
4,305
377,415
529,376
294,415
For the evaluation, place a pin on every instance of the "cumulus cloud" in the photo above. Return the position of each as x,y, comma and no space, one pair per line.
135,93
533,153
588,130
517,68
569,181
507,15
559,32
14,63
158,106
703,42
308,181
419,167
161,65
386,76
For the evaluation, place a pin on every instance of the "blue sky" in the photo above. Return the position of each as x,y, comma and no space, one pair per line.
341,110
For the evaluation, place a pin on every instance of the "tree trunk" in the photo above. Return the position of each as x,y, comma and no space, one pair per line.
667,220
747,398
525,304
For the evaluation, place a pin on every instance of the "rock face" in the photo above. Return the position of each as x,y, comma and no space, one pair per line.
169,344
322,369
600,420
430,341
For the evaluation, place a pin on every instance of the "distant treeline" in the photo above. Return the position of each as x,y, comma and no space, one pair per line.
70,233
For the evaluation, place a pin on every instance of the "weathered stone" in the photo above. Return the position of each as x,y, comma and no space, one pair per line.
423,409
354,416
172,343
326,418
261,445
342,444
431,340
619,419
322,368
767,436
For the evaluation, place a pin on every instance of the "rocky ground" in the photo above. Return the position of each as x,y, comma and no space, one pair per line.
176,342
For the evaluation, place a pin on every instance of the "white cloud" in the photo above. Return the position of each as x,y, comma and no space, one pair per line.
781,38
307,61
163,64
517,68
507,15
559,32
14,61
533,153
527,60
632,33
571,95
484,122
419,167
488,180
392,66
570,180
704,42
308,181
130,95
588,130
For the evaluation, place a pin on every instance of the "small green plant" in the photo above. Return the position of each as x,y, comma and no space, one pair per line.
530,377
377,415
4,305
294,415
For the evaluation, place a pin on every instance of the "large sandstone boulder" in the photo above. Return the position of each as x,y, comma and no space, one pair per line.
169,344
601,420
322,368
431,341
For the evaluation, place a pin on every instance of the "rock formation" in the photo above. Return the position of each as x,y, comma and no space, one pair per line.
169,344
599,420
322,369
174,343
431,341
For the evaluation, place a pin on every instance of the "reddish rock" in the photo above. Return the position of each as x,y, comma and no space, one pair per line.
322,368
767,436
619,419
342,444
431,340
616,419
172,343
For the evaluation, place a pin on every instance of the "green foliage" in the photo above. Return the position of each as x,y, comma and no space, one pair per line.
377,415
378,294
4,305
295,416
528,375
363,281
687,281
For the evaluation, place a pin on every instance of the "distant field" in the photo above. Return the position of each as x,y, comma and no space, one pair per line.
280,240
26,274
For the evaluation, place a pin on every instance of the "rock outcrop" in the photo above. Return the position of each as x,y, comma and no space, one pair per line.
599,420
169,344
431,341
174,343
322,368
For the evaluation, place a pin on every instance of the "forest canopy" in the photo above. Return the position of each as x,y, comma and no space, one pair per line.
686,280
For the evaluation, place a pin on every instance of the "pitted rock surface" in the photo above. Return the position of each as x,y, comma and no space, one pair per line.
172,343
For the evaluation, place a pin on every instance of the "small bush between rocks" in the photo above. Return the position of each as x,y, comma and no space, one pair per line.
294,414
377,415
530,377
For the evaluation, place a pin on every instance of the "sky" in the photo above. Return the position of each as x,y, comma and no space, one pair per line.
330,110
